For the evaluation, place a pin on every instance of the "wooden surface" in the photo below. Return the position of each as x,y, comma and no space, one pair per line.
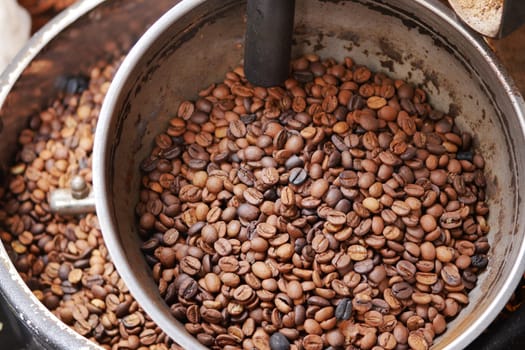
511,51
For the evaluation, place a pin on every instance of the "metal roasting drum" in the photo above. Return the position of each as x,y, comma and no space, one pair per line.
70,44
196,42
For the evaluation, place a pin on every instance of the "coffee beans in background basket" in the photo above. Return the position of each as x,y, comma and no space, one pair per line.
337,211
64,260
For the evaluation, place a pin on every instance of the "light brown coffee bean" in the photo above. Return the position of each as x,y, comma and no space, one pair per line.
371,204
428,223
223,247
294,143
243,293
319,188
212,282
269,176
357,252
266,230
253,196
445,254
313,342
228,264
400,208
190,265
237,129
417,342
376,102
287,197
248,212
261,270
450,274
311,326
336,217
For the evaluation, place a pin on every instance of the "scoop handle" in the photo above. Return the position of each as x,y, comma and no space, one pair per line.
268,41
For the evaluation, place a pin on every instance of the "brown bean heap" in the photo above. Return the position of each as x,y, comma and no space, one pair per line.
64,259
340,210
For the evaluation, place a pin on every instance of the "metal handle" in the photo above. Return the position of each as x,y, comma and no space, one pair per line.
77,200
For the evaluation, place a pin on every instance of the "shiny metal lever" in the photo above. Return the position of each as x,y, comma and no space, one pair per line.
77,200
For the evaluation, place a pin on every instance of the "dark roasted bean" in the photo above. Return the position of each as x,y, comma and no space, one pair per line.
297,176
402,290
343,311
480,261
279,342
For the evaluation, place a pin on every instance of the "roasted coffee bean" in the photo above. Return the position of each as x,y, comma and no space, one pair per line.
319,188
294,162
348,178
211,315
336,217
451,275
361,303
253,196
237,129
356,102
190,265
261,339
406,269
402,290
248,212
417,341
188,288
364,266
279,342
73,84
468,155
297,176
313,342
246,176
479,261
343,311
357,252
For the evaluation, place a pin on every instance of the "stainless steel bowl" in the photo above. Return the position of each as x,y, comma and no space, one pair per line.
196,42
68,45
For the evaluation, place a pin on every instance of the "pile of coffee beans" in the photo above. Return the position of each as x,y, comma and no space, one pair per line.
338,211
64,260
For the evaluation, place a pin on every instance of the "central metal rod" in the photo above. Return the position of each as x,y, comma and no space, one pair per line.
268,41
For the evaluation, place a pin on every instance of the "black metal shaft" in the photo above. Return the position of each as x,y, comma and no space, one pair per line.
268,41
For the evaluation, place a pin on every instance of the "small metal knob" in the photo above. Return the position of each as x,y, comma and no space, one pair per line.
79,187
